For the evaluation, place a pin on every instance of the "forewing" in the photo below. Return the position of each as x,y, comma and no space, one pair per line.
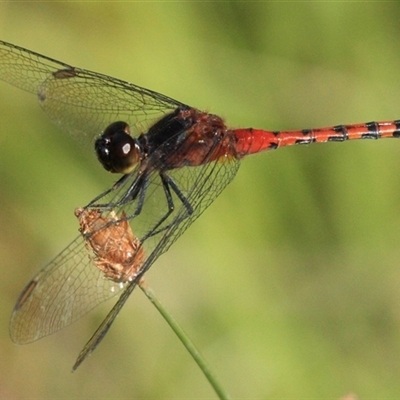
81,102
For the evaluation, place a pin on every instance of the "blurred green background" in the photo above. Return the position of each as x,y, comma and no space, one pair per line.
289,283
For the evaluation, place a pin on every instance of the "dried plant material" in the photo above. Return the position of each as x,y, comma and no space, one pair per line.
117,252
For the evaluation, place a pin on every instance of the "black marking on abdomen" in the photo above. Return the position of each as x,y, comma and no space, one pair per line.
373,129
305,141
342,129
396,133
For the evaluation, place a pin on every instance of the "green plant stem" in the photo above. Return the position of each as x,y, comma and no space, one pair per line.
198,358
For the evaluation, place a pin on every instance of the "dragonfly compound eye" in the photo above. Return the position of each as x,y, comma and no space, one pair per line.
116,149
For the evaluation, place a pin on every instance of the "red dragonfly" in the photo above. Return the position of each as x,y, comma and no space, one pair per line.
174,160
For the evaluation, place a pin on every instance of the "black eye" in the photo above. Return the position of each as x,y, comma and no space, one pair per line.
116,149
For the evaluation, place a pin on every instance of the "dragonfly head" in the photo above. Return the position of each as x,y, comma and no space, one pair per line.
117,150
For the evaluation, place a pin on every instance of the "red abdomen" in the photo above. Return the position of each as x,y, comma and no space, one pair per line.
250,141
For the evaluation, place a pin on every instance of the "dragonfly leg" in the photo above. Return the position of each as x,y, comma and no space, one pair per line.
168,185
138,187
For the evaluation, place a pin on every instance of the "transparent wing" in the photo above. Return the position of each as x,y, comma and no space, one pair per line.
62,292
70,285
200,185
159,200
83,103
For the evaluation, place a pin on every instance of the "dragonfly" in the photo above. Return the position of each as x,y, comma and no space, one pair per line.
174,161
